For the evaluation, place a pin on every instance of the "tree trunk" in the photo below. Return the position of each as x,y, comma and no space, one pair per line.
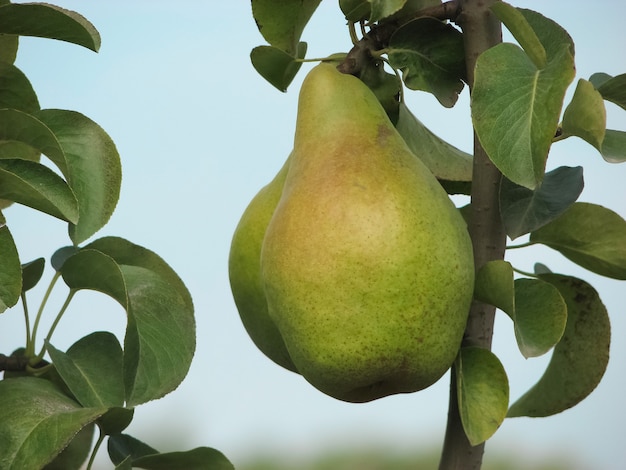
481,30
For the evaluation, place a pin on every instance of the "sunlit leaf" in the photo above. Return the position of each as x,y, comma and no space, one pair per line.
31,273
93,168
516,106
281,22
585,116
524,210
201,458
614,146
92,369
48,21
445,161
591,236
494,285
482,393
15,90
10,269
612,89
540,316
37,421
35,185
579,359
277,66
431,56
27,130
75,454
521,30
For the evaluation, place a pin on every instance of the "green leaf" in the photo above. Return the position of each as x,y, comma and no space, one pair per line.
15,89
115,420
384,8
123,446
578,361
612,89
9,44
48,21
445,161
58,258
431,56
92,369
591,236
494,285
614,146
35,185
92,269
201,458
281,23
37,421
482,393
10,269
536,308
94,170
524,210
75,454
276,66
516,105
160,334
31,273
355,10
585,116
25,130
521,30
540,316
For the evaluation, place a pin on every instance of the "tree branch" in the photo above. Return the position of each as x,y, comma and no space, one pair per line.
13,363
379,35
481,30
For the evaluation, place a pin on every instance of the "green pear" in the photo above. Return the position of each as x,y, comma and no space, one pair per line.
244,269
366,263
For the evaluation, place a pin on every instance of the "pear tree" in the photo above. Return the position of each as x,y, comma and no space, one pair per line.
518,111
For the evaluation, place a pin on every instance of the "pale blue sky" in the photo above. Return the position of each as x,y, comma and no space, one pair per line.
199,133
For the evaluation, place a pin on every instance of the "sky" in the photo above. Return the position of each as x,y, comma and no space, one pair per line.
199,133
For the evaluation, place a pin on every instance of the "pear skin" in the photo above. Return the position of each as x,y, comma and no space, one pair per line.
244,270
366,264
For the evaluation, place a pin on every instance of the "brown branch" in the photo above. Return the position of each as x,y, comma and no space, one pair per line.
13,363
481,30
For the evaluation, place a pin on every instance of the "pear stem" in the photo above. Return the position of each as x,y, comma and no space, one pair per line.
481,30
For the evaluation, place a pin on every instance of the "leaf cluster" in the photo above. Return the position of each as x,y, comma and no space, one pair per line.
54,400
518,113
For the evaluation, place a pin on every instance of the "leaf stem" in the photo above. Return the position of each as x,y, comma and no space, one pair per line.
30,347
64,307
521,245
26,318
95,449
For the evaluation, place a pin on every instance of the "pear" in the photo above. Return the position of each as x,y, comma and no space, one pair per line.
366,263
244,269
